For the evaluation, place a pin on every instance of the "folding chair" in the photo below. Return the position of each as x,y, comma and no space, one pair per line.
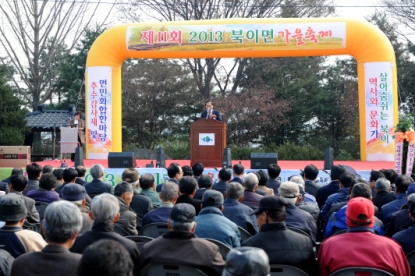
286,270
368,271
160,269
223,248
154,230
139,240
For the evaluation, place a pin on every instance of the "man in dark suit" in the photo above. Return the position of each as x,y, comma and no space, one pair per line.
175,173
324,192
63,221
209,113
383,193
81,175
97,186
187,189
224,177
238,172
310,174
273,172
34,171
17,185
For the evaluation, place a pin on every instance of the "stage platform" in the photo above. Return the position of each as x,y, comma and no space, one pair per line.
285,165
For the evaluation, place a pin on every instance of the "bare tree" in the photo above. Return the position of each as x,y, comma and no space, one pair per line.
206,70
402,11
33,33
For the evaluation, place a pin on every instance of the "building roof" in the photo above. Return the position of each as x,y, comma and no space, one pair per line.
46,120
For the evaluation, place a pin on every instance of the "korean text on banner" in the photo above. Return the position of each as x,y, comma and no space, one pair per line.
379,111
237,37
99,123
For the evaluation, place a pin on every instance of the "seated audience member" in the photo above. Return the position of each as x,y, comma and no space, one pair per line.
406,237
17,185
15,170
175,173
105,212
251,199
337,221
402,183
187,171
309,207
347,180
383,194
128,219
258,191
273,172
168,195
181,246
224,177
211,223
390,175
105,258
76,194
198,169
282,245
7,261
237,212
47,169
238,173
13,238
205,183
70,176
147,188
333,187
310,174
307,198
400,220
34,171
58,173
187,189
359,247
374,176
97,186
295,216
62,223
247,261
45,193
81,175
262,183
140,204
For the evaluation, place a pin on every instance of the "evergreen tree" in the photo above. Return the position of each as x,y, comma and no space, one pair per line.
13,126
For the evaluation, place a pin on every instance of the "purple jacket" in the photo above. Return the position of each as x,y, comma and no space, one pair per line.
43,196
251,199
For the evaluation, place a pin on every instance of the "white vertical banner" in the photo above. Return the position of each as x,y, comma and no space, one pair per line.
99,134
379,111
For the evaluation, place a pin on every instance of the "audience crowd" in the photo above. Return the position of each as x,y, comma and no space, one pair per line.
55,222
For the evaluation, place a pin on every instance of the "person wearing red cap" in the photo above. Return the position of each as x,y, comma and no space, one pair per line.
360,247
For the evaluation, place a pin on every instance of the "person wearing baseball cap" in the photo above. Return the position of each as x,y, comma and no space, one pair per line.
76,194
212,224
13,238
247,261
181,246
282,245
297,217
361,246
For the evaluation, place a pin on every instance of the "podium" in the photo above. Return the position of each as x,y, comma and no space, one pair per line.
207,142
69,140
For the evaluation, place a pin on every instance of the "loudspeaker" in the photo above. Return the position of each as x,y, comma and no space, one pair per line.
79,157
263,160
328,159
161,158
121,160
227,159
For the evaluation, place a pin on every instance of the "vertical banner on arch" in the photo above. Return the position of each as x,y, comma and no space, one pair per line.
379,111
99,134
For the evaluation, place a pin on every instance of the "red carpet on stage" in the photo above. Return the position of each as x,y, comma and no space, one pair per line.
285,165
